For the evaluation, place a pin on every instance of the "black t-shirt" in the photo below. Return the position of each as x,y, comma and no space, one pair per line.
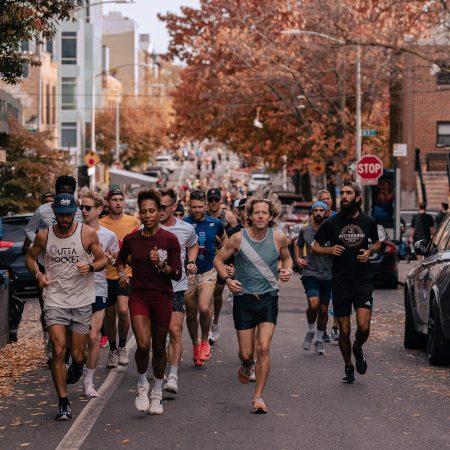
422,222
353,234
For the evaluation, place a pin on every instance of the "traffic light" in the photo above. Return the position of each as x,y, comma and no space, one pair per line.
91,158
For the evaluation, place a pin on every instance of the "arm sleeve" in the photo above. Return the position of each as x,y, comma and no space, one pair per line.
174,259
33,225
323,234
124,252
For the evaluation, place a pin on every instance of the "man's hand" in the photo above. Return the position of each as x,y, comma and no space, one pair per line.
109,258
124,281
302,263
230,270
191,268
285,274
42,280
83,268
233,285
336,250
364,255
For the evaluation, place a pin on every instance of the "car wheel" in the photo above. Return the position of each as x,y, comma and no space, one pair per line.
437,347
412,338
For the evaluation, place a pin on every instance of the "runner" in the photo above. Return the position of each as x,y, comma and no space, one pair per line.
91,207
120,224
348,233
155,258
187,238
71,253
316,278
257,250
227,218
199,295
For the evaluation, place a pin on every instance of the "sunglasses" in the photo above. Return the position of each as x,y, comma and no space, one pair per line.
86,207
164,207
214,200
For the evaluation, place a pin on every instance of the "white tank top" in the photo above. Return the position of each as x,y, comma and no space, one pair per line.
67,288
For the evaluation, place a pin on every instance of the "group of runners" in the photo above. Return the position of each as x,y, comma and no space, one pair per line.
150,272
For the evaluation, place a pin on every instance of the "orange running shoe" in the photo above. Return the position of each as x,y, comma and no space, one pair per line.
196,351
244,373
205,352
259,406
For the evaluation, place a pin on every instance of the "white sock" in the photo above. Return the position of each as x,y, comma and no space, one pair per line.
142,379
89,376
319,335
158,385
173,370
311,326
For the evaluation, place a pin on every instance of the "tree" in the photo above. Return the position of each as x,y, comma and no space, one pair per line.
30,170
22,20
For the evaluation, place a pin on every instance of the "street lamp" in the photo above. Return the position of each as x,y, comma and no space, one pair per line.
358,77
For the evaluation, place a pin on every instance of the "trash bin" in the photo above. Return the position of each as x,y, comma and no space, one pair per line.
4,307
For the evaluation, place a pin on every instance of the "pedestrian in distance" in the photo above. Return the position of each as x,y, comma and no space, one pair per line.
442,213
156,261
422,225
348,234
257,250
72,253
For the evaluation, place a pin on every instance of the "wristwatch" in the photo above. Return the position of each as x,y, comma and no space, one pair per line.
91,268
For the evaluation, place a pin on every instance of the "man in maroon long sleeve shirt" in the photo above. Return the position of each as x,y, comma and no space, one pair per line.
156,260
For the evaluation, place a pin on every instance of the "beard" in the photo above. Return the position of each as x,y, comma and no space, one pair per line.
348,209
318,219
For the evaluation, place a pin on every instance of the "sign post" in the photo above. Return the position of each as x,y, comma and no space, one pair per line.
399,151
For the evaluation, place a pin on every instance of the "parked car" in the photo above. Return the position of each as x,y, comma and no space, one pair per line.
258,180
286,199
427,298
11,256
166,161
158,172
385,262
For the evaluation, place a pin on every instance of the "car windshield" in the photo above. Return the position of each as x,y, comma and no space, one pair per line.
14,231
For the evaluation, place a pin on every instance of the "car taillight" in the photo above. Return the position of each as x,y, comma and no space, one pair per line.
5,245
389,247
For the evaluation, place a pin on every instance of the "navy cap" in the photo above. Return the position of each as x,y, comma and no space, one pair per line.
65,204
214,193
242,202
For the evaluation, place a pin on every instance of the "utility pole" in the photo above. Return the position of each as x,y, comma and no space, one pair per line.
118,126
358,105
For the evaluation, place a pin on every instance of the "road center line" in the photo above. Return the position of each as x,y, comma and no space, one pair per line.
82,426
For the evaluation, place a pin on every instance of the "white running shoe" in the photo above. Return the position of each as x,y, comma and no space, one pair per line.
113,359
171,384
318,347
215,333
89,391
253,374
308,340
141,402
123,356
156,406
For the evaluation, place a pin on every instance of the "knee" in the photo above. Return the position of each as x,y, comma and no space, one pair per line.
344,331
59,350
204,309
245,356
323,310
175,333
263,350
123,311
143,345
94,338
364,328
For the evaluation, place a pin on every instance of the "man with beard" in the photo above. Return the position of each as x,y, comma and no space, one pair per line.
316,278
72,253
349,232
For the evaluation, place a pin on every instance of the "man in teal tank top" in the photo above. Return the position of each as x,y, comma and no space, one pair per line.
257,250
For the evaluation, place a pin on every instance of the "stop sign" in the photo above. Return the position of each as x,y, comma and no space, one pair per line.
369,168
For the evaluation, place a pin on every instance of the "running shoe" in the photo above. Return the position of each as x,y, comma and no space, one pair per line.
64,411
308,340
113,359
214,334
123,356
171,385
89,391
244,373
103,341
196,350
326,337
318,348
349,375
259,406
253,373
156,406
141,402
334,333
74,374
205,351
360,360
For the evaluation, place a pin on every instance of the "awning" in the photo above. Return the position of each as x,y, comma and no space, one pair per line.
119,176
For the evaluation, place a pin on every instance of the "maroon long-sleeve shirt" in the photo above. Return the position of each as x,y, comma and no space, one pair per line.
147,279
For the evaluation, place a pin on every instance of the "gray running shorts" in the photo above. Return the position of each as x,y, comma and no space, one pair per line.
76,319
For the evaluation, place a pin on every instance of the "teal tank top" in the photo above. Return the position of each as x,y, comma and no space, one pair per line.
256,264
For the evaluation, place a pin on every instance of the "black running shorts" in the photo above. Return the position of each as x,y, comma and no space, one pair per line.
250,310
348,293
115,290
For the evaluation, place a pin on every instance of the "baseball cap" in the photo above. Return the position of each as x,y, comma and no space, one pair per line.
319,204
180,208
242,202
114,192
214,193
65,204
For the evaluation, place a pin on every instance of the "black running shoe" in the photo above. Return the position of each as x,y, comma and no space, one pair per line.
326,337
349,375
64,413
74,373
360,361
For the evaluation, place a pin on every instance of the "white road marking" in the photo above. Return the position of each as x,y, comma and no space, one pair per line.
82,426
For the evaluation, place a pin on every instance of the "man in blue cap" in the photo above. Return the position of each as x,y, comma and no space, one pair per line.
316,278
72,253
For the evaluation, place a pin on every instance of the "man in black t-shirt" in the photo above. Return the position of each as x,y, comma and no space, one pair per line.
349,232
422,225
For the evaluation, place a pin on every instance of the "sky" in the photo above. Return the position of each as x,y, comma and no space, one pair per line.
144,12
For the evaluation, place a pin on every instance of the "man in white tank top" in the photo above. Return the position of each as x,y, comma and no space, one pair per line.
72,253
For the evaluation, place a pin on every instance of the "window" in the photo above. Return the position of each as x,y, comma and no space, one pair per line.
69,47
47,104
49,47
68,94
53,105
443,134
69,135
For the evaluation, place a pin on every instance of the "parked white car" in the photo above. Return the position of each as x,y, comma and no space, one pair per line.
166,162
258,180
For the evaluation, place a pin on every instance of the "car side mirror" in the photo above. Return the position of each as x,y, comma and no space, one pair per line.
420,247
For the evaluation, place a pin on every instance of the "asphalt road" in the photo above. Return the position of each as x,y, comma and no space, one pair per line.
400,403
